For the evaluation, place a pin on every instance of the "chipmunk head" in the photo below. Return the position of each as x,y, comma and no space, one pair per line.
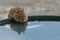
19,15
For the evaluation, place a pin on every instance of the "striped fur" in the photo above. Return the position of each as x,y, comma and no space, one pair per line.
18,14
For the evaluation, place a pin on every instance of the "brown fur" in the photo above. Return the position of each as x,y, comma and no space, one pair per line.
18,14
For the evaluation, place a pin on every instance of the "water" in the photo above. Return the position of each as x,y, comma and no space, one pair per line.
44,30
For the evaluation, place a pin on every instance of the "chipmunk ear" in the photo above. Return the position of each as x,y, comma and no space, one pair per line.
22,10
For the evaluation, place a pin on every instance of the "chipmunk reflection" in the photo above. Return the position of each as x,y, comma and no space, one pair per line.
18,27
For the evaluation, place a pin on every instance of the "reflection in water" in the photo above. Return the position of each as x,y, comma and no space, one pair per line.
18,27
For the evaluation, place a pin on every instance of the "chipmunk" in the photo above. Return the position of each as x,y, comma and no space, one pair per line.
18,14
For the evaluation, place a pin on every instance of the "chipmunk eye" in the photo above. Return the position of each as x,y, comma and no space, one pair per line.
17,12
18,15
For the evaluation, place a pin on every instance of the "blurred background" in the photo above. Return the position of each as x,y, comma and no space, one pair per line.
31,7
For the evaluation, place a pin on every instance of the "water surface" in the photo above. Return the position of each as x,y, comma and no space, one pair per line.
44,30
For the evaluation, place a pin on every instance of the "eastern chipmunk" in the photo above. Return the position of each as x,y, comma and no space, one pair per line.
18,15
